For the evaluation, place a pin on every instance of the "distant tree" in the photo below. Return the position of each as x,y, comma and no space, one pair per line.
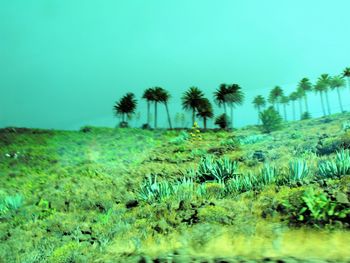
234,97
275,95
271,120
300,94
285,101
220,96
325,80
320,87
148,95
163,96
222,121
336,83
177,119
306,86
125,107
191,101
259,102
293,97
346,74
205,111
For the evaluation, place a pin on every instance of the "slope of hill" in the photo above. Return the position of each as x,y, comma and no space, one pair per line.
129,195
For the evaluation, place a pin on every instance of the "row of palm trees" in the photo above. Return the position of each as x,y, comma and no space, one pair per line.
323,84
194,100
231,95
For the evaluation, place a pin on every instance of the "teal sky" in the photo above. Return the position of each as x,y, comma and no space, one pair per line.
63,63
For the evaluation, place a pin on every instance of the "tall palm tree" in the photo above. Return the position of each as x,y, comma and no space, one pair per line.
306,86
220,96
163,97
205,111
338,82
325,80
275,95
346,74
191,101
320,87
148,95
125,106
301,94
259,102
234,97
293,97
285,101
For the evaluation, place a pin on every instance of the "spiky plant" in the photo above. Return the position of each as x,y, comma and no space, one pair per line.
335,168
298,171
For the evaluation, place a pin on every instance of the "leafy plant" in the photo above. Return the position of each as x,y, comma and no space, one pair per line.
319,208
271,120
298,171
10,203
336,168
181,138
268,175
241,183
222,121
219,170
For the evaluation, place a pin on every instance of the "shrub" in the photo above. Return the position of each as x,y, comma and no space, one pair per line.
181,138
10,203
230,144
305,116
271,120
335,168
222,121
318,208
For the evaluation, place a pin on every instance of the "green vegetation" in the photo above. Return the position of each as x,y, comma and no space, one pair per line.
271,120
128,195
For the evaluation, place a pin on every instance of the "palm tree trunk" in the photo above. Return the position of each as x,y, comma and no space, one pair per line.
339,98
193,116
322,103
167,111
327,101
278,107
148,111
306,104
293,106
231,116
258,115
300,108
205,123
285,112
225,110
155,115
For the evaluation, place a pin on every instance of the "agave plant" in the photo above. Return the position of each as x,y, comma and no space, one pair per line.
336,168
298,171
268,175
241,183
152,190
216,170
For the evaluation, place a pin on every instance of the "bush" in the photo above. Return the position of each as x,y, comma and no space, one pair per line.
305,116
222,121
271,120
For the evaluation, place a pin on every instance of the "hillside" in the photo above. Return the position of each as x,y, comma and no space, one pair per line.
131,195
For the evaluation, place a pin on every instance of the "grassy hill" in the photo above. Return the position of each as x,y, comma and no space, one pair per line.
131,195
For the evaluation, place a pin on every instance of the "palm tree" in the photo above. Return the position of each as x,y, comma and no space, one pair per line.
320,87
148,95
125,106
293,97
205,111
259,102
306,86
338,82
346,74
220,96
301,94
284,101
275,95
163,97
191,100
234,97
325,80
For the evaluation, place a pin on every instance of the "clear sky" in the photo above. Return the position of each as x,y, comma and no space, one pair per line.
64,63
